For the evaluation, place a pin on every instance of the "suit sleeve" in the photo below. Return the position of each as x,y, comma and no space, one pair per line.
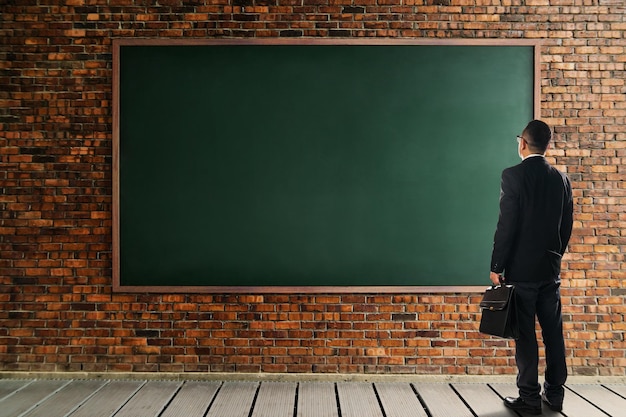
567,218
506,229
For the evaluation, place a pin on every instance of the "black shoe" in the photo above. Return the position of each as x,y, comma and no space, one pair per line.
520,405
554,406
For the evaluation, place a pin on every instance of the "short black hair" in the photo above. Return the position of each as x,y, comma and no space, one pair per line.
538,134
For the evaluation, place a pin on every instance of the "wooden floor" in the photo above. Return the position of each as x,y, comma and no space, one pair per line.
163,398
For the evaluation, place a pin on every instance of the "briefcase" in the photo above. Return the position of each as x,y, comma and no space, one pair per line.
499,316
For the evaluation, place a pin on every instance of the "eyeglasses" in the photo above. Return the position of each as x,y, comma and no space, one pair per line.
520,138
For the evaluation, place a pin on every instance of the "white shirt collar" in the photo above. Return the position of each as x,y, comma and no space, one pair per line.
533,155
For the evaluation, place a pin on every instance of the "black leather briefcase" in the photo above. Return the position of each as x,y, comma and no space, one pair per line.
499,316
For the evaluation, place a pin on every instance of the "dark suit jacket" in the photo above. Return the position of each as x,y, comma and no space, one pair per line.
535,222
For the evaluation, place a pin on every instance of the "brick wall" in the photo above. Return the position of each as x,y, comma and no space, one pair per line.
57,311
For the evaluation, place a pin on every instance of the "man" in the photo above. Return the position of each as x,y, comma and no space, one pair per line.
533,230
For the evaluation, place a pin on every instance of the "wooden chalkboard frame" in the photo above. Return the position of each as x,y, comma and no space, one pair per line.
119,43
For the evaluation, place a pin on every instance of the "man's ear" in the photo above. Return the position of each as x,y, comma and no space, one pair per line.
524,144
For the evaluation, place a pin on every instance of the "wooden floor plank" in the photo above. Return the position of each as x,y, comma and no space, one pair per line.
441,400
275,399
358,399
604,399
482,400
399,399
575,406
317,399
108,399
67,399
619,389
30,396
150,400
10,386
192,400
234,399
510,390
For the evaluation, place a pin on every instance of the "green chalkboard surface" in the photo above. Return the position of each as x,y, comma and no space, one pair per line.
323,165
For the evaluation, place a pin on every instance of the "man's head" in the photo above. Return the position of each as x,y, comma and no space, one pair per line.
537,136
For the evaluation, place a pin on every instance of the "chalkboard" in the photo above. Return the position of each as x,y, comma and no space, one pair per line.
290,166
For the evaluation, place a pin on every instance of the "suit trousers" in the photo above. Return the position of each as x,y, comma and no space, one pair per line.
543,301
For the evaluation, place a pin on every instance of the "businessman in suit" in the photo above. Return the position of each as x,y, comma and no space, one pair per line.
533,230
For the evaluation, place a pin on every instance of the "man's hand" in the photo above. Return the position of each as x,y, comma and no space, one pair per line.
497,279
